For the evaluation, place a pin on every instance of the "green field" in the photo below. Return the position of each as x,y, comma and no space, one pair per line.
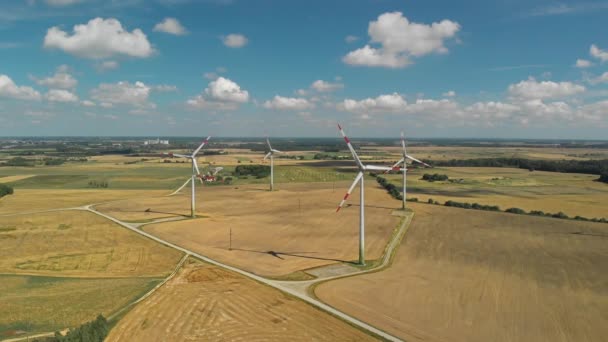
42,304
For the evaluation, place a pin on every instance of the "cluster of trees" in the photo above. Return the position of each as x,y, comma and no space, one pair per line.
564,216
100,184
390,187
603,177
5,190
54,161
566,166
259,171
434,177
475,206
291,156
94,331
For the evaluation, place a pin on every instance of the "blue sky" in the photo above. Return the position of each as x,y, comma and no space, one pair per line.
510,69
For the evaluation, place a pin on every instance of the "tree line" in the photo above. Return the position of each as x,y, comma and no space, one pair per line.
435,177
94,331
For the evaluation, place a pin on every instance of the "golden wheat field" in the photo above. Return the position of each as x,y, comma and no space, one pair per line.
78,243
206,303
467,275
273,233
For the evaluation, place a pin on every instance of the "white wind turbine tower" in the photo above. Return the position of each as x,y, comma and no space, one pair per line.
270,154
195,173
404,169
359,179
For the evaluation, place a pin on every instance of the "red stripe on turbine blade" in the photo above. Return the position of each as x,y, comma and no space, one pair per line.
396,168
346,139
346,196
338,209
339,127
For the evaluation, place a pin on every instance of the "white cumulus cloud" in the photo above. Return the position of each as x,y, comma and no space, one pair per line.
399,40
449,93
598,53
9,89
171,26
122,93
383,103
61,95
59,3
603,78
223,89
288,103
61,79
351,39
532,89
107,65
220,94
235,40
583,63
326,87
99,38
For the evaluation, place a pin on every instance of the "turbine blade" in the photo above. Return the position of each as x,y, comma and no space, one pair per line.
267,155
268,143
381,168
198,172
276,151
201,146
180,155
350,147
416,160
352,187
403,142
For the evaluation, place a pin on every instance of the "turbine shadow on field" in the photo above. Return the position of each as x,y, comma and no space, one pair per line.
161,212
257,189
371,206
294,254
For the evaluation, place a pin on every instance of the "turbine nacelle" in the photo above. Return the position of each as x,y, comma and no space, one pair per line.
362,168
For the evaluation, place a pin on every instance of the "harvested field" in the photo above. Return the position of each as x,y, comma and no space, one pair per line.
273,233
42,304
77,243
28,200
462,275
207,303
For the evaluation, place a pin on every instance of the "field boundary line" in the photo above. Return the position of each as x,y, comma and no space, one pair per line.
149,293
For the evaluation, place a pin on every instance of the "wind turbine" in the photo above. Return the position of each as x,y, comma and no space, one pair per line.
195,173
270,154
404,169
359,179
